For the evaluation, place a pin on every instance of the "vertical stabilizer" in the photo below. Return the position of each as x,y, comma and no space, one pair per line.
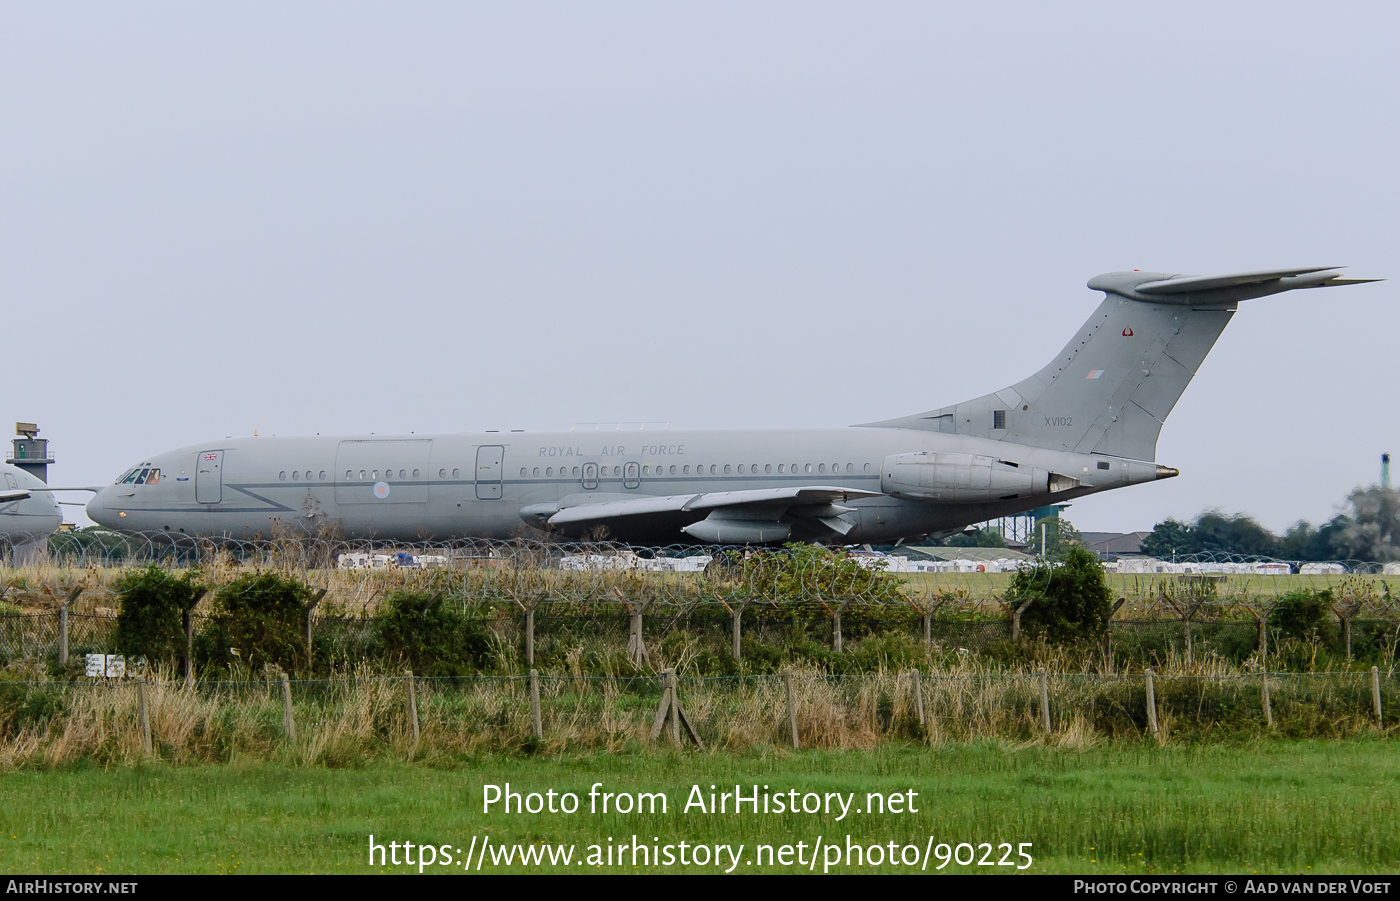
1110,389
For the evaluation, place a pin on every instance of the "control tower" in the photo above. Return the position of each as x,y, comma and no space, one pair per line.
31,453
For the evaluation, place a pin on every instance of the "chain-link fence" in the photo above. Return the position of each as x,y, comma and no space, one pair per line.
335,719
347,640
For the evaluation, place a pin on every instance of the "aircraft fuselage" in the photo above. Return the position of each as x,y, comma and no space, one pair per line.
435,487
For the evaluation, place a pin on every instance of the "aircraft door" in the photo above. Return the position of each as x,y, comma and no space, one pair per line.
209,477
590,476
488,472
632,475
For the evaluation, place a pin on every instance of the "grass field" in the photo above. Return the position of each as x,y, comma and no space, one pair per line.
1269,807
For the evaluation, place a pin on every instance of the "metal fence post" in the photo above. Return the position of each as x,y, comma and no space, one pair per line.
143,716
535,723
1151,704
289,726
1045,700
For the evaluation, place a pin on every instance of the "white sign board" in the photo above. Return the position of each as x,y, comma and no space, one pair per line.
106,666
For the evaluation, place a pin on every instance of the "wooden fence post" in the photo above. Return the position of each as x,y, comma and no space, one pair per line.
675,715
919,696
663,709
736,615
836,641
671,710
530,635
289,726
1264,697
1016,617
143,716
1376,694
63,634
636,644
536,725
1345,614
1151,704
412,706
791,709
1045,701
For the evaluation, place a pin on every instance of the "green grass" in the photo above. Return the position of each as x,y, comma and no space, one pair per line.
1268,807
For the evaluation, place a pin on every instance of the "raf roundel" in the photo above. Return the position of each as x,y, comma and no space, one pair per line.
381,490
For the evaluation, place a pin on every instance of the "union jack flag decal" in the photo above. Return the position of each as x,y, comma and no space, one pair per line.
211,456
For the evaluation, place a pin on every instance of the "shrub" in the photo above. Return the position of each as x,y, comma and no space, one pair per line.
151,623
433,638
803,571
1302,614
263,616
1071,600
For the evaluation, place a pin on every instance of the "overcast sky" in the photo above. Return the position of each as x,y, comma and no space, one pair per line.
343,217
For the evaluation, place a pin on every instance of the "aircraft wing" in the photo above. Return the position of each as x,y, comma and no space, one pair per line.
768,505
7,496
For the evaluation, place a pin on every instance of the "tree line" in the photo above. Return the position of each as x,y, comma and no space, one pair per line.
1368,530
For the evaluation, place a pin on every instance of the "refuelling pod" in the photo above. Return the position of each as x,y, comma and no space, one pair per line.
738,531
966,479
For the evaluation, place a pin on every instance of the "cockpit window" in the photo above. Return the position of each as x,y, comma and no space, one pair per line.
129,477
140,476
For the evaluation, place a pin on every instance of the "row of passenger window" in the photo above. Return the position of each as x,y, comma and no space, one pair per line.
685,470
152,476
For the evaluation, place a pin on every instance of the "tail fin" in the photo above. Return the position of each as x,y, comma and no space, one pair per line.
1111,388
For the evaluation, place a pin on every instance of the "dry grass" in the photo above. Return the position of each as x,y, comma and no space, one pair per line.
357,717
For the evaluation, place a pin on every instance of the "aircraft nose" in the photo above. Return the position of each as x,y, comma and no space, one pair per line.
97,509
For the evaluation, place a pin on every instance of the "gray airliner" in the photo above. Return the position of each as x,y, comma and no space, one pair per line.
1087,422
28,513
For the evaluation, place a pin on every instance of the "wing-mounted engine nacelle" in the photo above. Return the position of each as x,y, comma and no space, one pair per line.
966,478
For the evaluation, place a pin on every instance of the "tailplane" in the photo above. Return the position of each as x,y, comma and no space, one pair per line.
1111,388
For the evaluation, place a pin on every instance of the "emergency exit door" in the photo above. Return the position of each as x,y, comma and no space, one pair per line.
209,477
488,472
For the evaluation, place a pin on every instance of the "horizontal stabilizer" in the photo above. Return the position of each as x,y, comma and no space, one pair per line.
1180,284
1158,287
